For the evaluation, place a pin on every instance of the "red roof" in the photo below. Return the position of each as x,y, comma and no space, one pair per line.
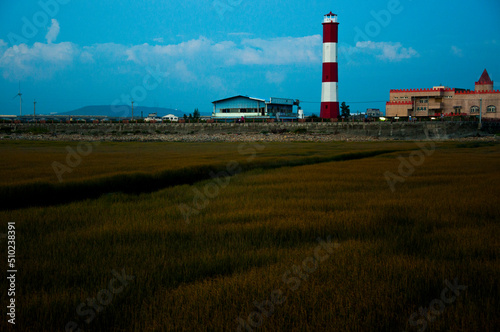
331,14
485,78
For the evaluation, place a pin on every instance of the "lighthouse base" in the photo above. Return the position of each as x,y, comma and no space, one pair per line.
329,110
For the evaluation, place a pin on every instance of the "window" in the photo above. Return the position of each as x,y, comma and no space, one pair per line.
474,109
491,109
423,101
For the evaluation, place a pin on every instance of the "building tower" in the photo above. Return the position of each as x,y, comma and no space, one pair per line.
485,83
329,90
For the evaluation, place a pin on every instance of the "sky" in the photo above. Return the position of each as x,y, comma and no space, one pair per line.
67,54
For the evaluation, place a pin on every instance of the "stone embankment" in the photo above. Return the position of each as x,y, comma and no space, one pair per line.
237,132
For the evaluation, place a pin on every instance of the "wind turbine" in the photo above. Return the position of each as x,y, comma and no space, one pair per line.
19,94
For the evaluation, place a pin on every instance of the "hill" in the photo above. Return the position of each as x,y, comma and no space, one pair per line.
121,111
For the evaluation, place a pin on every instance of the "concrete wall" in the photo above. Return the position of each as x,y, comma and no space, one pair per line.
401,130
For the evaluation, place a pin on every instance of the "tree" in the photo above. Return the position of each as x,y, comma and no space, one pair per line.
185,116
196,114
344,110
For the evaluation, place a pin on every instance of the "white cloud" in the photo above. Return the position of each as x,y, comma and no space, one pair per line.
224,47
277,51
145,53
86,57
53,31
202,56
275,77
239,34
280,51
457,51
217,84
38,61
386,50
107,51
182,72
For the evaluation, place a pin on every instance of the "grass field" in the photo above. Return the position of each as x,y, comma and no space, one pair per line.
301,237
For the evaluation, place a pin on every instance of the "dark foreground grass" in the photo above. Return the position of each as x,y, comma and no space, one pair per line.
396,249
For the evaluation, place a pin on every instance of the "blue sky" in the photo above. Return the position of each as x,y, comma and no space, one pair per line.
185,54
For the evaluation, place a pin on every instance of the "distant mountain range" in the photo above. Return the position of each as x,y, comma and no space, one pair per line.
121,111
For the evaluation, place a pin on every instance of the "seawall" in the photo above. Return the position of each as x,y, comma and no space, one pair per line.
396,130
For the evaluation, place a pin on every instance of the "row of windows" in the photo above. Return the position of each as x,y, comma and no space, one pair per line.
424,101
489,109
473,109
240,110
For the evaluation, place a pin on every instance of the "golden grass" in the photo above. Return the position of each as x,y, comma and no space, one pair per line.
27,162
396,249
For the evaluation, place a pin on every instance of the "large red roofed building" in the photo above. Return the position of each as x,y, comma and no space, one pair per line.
441,100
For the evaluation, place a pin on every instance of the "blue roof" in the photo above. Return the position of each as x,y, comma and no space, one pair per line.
238,96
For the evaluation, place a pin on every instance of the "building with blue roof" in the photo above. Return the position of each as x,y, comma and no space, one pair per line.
247,107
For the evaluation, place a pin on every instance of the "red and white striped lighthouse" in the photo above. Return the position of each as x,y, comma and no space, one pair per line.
329,91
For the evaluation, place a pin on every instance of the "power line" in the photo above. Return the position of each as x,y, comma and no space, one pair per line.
347,102
373,101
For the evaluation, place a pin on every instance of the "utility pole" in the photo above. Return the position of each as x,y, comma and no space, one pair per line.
34,110
480,113
132,109
20,95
